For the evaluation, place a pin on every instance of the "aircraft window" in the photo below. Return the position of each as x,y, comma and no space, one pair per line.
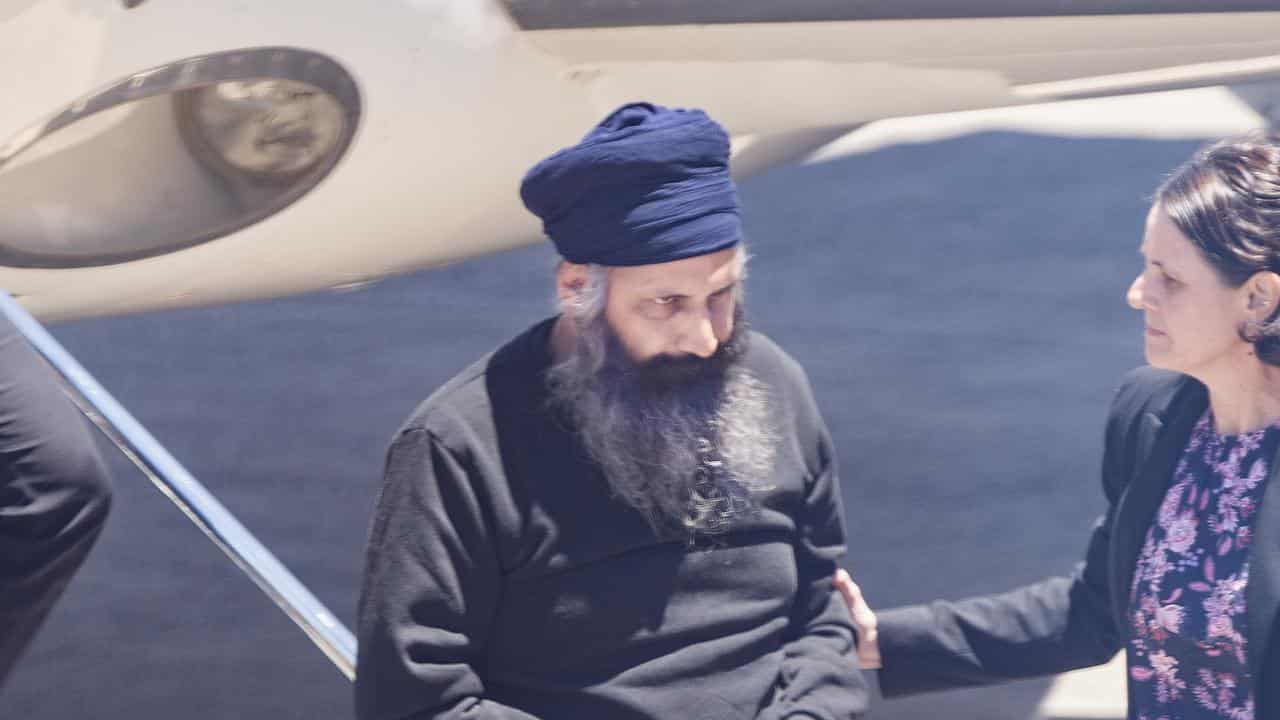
173,157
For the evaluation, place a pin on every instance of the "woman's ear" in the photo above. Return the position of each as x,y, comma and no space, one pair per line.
1264,296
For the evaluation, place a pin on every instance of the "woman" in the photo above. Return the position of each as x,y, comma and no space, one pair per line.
1183,571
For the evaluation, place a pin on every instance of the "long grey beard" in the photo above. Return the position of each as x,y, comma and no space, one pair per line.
690,456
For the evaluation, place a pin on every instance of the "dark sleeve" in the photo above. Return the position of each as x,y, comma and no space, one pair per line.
431,587
1051,626
54,492
819,677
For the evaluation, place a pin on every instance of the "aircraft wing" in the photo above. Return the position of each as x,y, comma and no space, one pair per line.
164,153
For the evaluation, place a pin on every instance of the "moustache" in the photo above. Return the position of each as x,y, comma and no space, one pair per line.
674,371
666,373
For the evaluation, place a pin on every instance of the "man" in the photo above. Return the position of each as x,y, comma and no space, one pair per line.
54,493
631,511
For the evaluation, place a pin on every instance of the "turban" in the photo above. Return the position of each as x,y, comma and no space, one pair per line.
647,185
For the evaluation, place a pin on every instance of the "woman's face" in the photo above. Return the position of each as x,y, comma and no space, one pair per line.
1192,318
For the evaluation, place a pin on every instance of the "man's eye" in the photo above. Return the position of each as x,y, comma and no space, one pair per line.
665,300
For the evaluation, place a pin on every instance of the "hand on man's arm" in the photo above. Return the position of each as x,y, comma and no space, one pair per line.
864,621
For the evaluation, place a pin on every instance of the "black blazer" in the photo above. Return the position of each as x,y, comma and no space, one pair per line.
1066,623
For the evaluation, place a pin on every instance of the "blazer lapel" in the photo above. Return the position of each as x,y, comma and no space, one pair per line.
1162,436
1262,594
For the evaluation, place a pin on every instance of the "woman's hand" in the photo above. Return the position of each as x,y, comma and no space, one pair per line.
864,620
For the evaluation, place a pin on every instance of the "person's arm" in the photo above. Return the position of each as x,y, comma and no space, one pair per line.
819,679
431,587
1048,627
54,493
1052,626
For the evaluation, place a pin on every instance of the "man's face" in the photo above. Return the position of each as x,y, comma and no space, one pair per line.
677,310
653,380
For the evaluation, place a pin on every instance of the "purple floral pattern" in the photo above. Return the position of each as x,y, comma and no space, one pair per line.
1187,636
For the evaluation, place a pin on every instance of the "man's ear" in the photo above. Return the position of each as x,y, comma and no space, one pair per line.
571,278
1264,296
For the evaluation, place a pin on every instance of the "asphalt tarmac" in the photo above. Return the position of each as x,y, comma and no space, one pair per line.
958,306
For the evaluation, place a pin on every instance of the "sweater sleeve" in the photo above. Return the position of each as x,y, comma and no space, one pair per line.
431,588
54,493
819,678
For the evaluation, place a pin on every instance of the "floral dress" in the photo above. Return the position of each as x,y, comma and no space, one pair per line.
1187,642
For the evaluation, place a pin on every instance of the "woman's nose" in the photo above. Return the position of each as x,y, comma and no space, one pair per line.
1136,297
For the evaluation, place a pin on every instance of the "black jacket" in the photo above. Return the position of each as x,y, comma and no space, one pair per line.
1066,623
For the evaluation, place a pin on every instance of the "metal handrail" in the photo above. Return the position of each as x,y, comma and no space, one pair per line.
199,505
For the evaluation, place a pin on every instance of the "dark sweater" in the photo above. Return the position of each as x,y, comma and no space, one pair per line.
504,581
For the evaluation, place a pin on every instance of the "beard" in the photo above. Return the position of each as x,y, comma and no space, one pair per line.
686,441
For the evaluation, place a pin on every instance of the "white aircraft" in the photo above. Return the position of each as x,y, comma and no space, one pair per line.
162,153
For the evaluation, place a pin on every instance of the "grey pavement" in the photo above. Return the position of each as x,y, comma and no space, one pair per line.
958,305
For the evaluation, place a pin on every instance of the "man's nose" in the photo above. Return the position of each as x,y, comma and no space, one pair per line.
1136,296
699,337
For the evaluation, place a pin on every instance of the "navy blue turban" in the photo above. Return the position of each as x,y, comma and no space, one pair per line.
647,185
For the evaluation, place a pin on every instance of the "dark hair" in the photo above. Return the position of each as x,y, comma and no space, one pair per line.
1226,200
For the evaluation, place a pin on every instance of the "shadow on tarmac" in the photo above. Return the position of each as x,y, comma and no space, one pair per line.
958,306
